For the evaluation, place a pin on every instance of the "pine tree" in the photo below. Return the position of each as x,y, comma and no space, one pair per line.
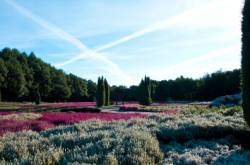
148,90
107,92
103,93
145,91
245,63
3,74
16,85
100,93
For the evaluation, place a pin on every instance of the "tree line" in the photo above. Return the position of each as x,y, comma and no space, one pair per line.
206,88
25,78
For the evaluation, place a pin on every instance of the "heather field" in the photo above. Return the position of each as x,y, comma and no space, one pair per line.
159,82
188,134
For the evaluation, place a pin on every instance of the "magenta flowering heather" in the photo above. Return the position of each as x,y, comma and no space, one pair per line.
73,117
130,106
6,113
52,119
13,126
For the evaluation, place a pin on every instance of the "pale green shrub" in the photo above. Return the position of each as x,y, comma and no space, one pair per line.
29,147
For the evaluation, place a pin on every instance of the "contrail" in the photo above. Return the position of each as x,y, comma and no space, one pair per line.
153,28
86,52
201,58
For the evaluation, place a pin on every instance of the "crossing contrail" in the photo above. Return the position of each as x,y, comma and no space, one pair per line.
113,68
152,28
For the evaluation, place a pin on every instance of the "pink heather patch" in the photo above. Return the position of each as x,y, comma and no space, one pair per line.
6,113
73,117
52,119
13,126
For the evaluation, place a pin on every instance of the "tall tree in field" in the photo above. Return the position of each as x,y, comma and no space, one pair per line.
100,93
145,91
3,74
245,63
107,92
91,88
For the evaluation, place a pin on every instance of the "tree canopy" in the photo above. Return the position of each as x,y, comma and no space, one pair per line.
23,77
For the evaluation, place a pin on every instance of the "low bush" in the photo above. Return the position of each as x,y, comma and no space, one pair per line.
80,109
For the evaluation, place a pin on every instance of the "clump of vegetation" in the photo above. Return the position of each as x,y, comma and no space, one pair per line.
102,93
20,116
245,61
107,92
145,91
186,138
28,148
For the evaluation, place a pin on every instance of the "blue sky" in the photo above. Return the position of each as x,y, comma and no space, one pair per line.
124,40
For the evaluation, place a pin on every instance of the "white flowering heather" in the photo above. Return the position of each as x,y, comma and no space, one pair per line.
184,138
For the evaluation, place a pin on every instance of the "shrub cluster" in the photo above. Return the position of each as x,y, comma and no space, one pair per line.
208,138
103,92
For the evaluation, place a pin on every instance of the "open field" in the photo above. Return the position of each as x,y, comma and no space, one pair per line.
190,134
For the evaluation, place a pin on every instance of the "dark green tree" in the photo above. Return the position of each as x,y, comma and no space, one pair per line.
119,93
245,61
3,74
60,89
78,88
41,76
16,83
145,91
91,88
100,93
107,92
